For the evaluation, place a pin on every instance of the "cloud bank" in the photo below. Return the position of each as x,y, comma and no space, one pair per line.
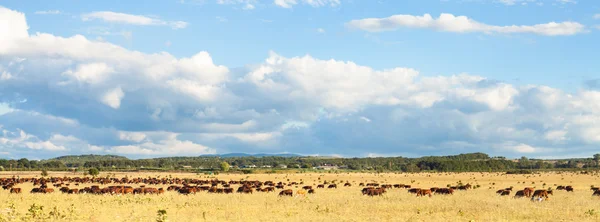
462,24
72,95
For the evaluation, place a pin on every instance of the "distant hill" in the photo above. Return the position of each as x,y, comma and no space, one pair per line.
73,159
251,155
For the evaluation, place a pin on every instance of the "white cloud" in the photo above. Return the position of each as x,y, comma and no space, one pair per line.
90,73
116,17
320,30
597,16
248,4
313,3
187,106
132,136
113,98
166,147
462,24
567,1
48,12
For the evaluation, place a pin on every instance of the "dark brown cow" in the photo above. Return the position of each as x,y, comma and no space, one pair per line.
347,184
569,189
372,191
15,190
307,187
414,190
596,193
505,193
332,186
287,192
520,193
311,191
321,186
446,191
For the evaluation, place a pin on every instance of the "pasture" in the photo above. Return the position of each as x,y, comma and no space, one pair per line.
337,204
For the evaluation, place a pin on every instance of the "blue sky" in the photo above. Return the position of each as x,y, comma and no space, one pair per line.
317,77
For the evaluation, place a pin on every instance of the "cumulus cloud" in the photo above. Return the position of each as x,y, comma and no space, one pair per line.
75,95
462,24
123,18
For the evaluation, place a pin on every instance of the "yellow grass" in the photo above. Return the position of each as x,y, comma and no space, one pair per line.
342,204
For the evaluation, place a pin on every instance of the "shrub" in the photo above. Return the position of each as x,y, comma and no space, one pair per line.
94,172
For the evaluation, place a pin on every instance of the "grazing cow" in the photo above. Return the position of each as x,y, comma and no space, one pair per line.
361,184
287,192
596,193
321,186
505,193
73,191
560,187
540,194
528,191
569,188
332,186
366,189
520,193
424,192
414,190
307,187
595,188
446,191
372,191
15,190
347,184
311,191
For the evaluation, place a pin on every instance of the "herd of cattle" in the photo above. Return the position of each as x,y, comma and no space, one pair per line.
192,186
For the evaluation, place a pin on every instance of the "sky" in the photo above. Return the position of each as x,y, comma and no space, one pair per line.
349,78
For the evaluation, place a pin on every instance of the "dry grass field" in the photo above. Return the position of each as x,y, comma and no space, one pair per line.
341,204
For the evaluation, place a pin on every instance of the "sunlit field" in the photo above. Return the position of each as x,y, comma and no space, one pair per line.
341,204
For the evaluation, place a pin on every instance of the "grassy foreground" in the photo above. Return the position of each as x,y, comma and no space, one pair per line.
342,204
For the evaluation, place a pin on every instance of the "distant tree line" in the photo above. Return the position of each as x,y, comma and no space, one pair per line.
471,162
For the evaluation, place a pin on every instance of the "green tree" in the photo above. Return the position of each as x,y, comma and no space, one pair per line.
597,159
44,173
94,172
306,166
224,166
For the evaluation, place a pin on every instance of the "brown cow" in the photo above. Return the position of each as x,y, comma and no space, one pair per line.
307,187
596,193
505,193
528,191
332,186
540,194
311,191
287,192
424,192
15,190
347,184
